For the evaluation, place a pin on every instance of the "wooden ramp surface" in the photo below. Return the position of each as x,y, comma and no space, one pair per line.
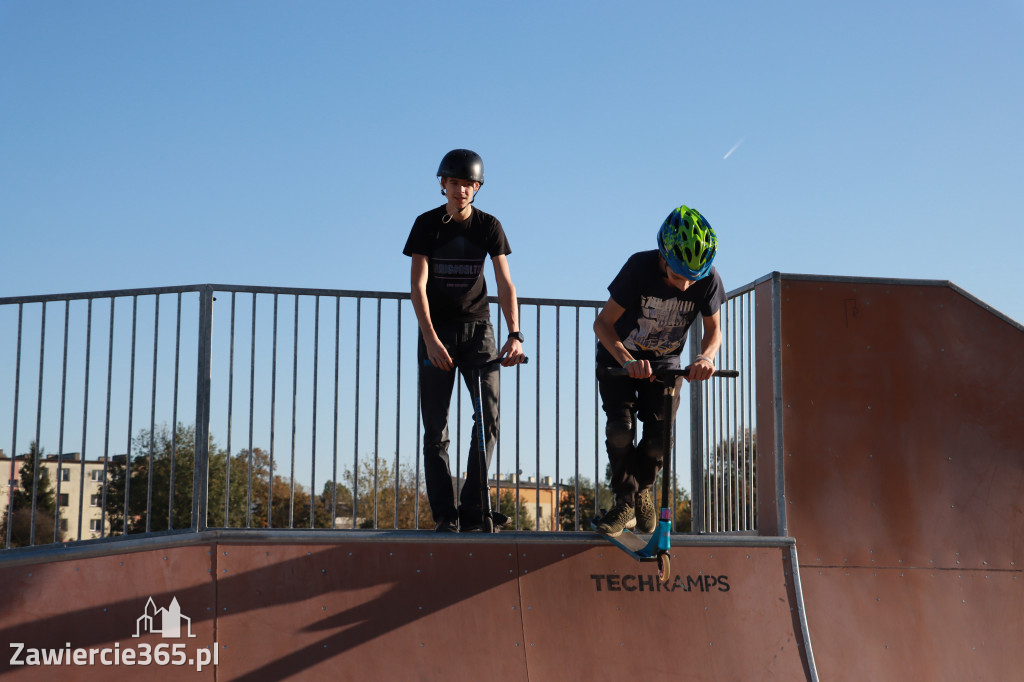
456,610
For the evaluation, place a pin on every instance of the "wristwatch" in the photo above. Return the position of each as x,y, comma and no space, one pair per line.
518,336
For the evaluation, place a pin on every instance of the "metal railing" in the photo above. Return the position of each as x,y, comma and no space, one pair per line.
135,390
723,426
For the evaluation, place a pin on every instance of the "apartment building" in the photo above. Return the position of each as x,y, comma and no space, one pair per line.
77,486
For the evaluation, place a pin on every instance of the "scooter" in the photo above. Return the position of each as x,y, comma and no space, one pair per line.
478,407
657,548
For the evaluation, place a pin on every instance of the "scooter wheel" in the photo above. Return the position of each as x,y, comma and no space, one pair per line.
664,567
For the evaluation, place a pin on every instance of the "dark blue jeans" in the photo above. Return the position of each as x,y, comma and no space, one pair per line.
470,345
634,468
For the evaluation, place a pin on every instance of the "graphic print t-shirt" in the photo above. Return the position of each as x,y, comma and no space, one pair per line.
657,315
457,252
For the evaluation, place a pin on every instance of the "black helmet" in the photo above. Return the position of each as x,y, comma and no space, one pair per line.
462,164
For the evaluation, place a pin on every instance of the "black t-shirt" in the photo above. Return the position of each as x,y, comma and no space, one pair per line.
456,289
658,315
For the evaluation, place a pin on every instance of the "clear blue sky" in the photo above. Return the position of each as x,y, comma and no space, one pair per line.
293,143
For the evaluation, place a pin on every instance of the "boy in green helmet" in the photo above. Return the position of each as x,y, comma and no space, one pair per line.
654,299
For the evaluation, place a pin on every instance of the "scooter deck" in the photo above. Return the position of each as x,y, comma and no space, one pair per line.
628,541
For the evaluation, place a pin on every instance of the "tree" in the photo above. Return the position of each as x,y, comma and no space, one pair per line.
507,506
156,501
731,487
20,518
682,517
411,493
584,502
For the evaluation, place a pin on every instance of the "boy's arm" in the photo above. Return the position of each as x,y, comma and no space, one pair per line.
704,366
436,352
604,327
512,350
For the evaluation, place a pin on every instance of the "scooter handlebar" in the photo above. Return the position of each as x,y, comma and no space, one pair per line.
495,361
666,373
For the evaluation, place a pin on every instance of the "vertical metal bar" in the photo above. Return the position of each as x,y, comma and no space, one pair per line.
597,431
174,414
106,426
152,415
85,419
39,418
398,404
252,407
131,413
716,453
722,454
316,373
60,436
201,470
337,358
376,427
751,401
295,397
231,405
355,428
273,421
14,428
576,430
519,410
709,462
537,423
780,478
555,518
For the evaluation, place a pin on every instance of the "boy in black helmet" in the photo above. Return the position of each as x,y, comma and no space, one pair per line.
449,246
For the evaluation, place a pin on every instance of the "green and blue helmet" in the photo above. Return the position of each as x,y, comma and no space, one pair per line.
687,243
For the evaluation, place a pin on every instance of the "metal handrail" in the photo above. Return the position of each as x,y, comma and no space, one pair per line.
147,363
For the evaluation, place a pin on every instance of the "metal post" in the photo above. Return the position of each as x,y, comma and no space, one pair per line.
780,477
201,478
696,439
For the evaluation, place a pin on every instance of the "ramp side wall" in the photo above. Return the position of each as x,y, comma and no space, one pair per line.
904,478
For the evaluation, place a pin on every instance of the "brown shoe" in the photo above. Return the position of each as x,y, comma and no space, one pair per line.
619,518
646,515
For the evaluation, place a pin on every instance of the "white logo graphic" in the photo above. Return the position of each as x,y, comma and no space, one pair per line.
165,621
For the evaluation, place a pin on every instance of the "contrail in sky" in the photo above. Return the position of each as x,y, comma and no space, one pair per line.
734,148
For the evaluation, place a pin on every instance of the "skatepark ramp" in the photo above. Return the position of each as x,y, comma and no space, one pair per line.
407,605
890,520
892,452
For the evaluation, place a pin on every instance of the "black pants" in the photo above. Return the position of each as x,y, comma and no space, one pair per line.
470,345
634,468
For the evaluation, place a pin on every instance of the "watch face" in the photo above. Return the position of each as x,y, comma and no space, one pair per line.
518,336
